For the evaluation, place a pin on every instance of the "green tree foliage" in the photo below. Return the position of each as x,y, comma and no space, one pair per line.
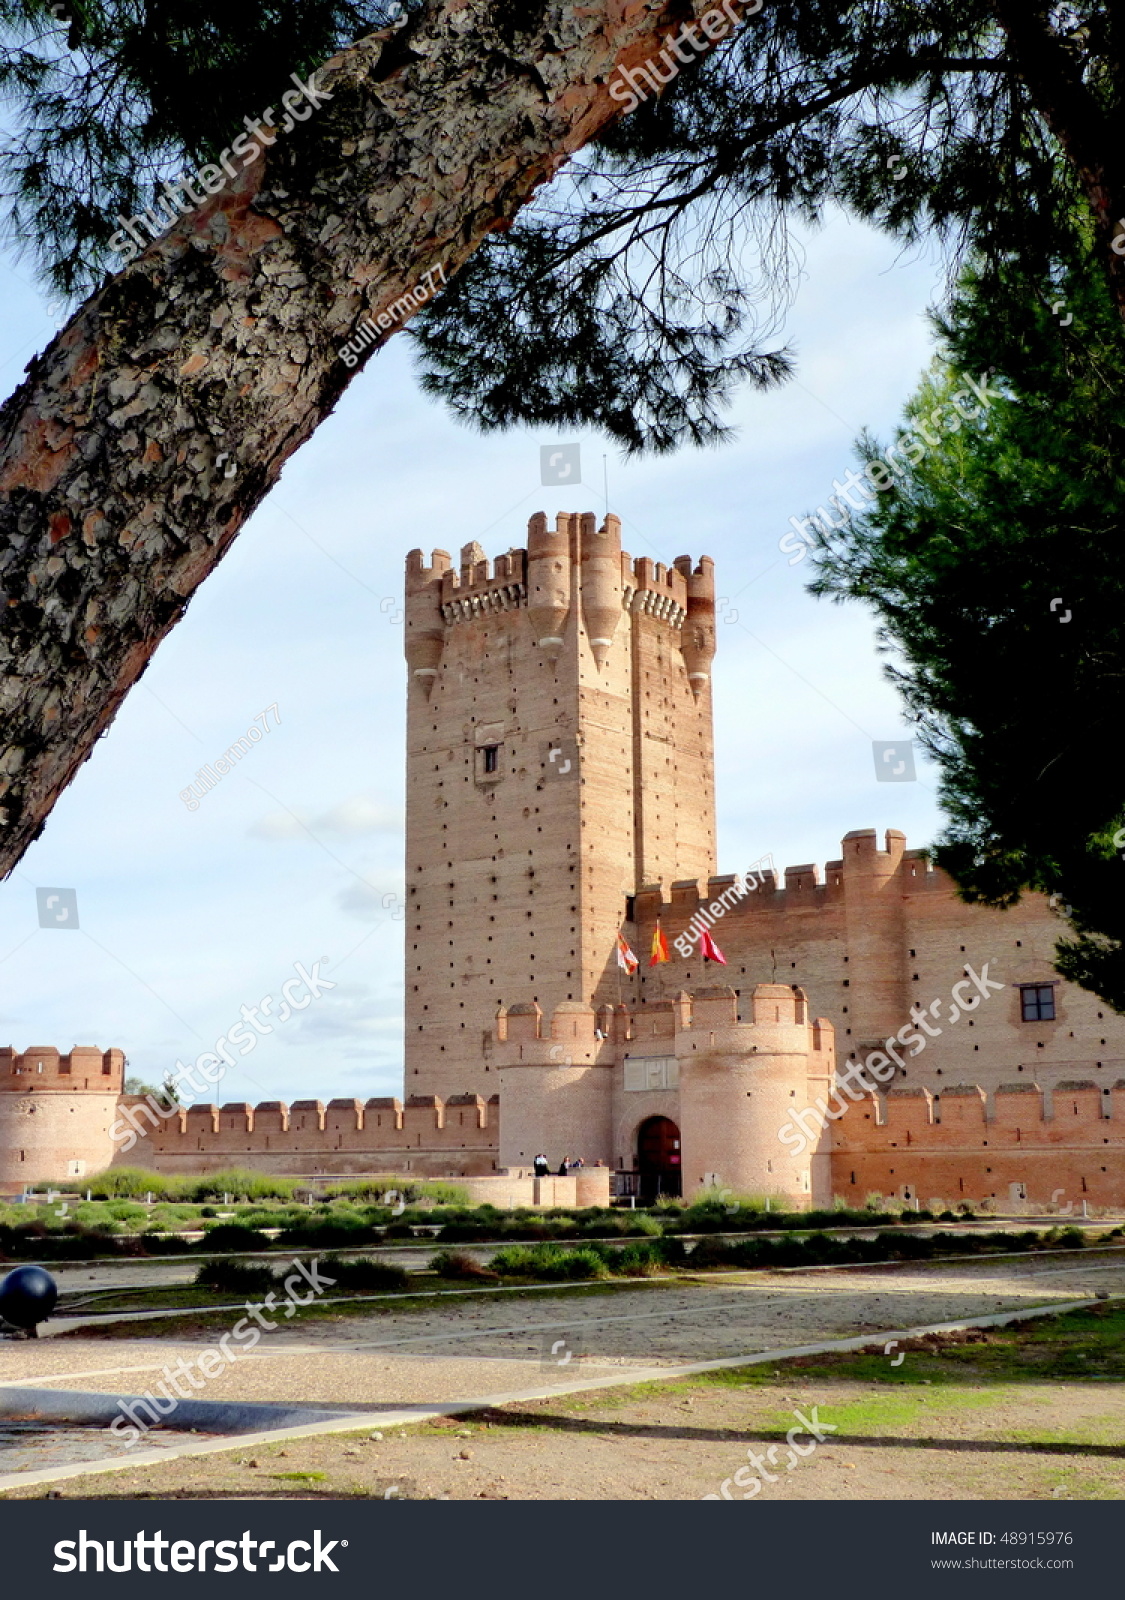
994,566
650,278
110,97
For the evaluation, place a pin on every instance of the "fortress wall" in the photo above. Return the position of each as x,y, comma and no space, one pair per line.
427,1136
42,1069
965,1145
880,931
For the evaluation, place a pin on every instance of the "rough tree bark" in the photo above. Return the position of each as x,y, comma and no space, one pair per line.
222,340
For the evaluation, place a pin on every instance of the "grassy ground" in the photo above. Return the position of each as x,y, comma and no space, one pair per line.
1034,1412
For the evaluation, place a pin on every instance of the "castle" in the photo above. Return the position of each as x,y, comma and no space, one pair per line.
560,809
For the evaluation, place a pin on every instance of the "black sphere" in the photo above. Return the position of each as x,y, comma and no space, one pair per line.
27,1296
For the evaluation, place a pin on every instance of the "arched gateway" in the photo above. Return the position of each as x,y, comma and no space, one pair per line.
658,1158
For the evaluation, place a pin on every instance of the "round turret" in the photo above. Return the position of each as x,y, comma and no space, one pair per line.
424,636
601,582
548,582
697,636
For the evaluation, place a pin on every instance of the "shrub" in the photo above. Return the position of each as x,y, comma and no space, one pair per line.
329,1233
234,1237
640,1260
126,1182
241,1185
457,1264
363,1274
234,1277
550,1262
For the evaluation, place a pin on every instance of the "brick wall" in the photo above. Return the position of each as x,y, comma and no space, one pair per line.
56,1111
424,1136
879,931
967,1145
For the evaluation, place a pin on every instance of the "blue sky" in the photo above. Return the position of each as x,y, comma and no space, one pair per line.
185,916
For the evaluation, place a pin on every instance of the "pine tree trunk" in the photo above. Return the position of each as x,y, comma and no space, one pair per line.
160,417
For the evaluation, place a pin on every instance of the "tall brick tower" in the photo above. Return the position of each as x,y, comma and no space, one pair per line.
560,756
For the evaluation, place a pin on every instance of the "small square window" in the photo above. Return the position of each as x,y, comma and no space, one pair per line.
1037,1002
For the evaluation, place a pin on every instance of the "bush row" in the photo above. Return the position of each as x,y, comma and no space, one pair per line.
235,1277
554,1262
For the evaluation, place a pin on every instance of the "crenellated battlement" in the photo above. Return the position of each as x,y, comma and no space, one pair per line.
797,888
426,1134
577,559
1017,1144
481,587
43,1069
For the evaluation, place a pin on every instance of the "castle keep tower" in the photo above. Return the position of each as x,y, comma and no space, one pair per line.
560,756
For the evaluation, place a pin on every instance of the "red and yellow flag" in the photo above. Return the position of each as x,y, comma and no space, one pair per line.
659,948
625,957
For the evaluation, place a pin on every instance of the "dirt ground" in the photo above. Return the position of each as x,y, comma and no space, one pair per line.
684,1441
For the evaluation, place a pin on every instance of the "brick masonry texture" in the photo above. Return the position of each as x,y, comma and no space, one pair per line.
55,1113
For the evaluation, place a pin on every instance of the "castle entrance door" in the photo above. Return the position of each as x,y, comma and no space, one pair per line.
658,1158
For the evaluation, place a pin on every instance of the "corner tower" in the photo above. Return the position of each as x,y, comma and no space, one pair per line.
56,1113
560,755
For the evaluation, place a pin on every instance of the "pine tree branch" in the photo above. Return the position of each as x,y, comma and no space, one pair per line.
221,342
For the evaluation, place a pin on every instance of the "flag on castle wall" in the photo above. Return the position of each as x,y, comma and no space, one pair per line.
709,950
625,957
659,948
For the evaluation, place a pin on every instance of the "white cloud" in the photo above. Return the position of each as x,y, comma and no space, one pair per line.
351,819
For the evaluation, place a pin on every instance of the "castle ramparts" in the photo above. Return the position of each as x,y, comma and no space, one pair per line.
424,1136
876,935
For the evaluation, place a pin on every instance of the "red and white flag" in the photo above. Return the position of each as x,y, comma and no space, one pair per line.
626,960
709,950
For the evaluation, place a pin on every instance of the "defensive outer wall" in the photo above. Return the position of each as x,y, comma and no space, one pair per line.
1017,1144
